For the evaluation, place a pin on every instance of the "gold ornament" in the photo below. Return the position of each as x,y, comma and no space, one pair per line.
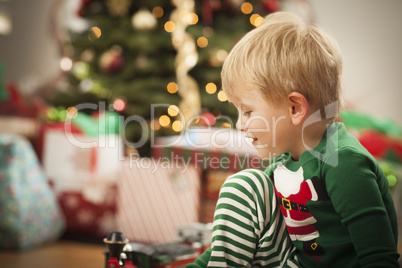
141,61
185,60
237,3
144,20
108,57
118,8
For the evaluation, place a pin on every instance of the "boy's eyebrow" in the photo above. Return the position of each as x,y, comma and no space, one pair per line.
239,104
244,105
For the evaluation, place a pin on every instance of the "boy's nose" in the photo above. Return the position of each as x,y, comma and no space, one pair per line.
239,125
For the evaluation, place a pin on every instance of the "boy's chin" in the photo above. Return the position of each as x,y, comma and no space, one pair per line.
267,154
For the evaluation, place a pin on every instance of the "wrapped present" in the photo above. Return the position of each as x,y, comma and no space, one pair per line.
381,137
83,170
86,219
16,115
29,212
90,170
360,122
154,198
26,127
217,153
13,104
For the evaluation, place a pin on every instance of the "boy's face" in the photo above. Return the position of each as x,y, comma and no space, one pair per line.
268,127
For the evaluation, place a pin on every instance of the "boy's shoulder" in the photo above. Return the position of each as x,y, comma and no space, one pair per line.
250,182
248,179
341,147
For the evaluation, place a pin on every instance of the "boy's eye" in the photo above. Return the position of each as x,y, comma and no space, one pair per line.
247,113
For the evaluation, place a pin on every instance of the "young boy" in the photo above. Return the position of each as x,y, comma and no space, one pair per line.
248,228
284,78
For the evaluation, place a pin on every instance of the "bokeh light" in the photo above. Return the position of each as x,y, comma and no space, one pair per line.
164,121
256,20
173,110
157,11
192,18
71,112
221,55
392,180
85,85
119,105
202,42
155,125
5,23
226,125
172,87
177,126
210,88
81,70
208,31
222,96
94,33
66,64
246,8
170,26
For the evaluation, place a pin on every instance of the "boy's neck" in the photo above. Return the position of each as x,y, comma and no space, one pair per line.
309,137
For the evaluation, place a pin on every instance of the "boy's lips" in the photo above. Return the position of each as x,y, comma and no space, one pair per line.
253,141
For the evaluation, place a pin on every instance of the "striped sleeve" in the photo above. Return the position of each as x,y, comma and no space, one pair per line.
248,230
201,261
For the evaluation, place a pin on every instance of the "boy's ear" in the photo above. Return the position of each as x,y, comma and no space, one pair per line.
298,107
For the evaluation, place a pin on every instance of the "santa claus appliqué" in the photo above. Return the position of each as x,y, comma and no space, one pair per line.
293,192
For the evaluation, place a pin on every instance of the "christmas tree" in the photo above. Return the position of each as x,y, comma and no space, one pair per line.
168,54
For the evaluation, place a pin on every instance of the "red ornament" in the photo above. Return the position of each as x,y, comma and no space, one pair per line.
83,7
111,61
207,119
270,6
206,12
116,65
216,4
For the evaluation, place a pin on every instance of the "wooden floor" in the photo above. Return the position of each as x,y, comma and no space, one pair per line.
63,254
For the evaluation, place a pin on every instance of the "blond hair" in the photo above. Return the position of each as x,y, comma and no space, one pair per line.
284,55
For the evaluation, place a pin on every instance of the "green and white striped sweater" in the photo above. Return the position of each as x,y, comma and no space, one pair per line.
248,229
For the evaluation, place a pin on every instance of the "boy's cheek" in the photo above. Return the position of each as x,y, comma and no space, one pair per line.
258,123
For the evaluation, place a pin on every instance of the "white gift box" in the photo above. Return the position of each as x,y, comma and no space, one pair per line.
155,198
81,163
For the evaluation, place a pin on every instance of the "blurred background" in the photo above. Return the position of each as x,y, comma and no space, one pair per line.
127,75
121,52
